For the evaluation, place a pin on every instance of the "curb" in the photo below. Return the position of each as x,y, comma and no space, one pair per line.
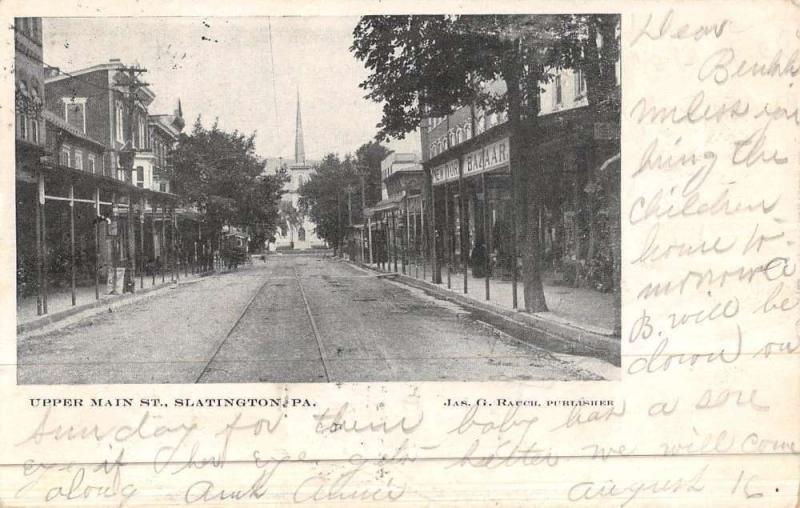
540,331
100,306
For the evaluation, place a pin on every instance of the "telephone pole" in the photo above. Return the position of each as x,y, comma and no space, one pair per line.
126,156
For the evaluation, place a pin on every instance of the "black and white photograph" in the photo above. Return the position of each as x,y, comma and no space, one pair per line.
301,199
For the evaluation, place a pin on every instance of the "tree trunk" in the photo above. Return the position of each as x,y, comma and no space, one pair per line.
526,182
601,84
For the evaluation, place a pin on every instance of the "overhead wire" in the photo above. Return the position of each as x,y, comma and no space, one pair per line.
276,133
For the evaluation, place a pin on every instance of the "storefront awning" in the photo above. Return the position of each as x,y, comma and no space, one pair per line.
390,203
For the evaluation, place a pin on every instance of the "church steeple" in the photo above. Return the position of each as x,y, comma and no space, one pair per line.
299,150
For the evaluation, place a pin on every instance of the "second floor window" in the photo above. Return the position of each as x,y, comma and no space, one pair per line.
142,134
78,159
91,162
119,114
22,125
139,176
63,156
75,113
557,99
580,84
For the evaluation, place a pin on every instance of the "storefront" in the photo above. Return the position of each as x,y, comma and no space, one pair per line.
475,235
472,201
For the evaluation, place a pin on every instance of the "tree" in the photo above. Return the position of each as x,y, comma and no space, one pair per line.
221,175
291,218
368,161
322,196
426,66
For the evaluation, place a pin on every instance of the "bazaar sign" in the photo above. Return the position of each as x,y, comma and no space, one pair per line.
492,156
444,173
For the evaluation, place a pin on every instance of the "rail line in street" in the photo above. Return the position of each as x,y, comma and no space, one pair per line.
314,328
230,332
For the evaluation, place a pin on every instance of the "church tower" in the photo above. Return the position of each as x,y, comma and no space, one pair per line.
299,150
302,235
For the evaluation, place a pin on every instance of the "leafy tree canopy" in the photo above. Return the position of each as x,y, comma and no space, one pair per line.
323,196
220,173
368,159
423,66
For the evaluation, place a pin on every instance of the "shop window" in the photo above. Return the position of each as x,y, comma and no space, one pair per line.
78,159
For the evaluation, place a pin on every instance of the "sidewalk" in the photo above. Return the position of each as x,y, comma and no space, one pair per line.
580,321
59,301
584,308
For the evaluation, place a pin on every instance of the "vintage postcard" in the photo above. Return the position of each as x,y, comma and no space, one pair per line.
375,253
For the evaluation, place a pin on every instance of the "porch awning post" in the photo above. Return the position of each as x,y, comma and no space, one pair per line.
462,223
72,241
486,233
97,217
369,238
446,234
41,294
141,242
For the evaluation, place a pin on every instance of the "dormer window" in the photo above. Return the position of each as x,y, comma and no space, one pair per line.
75,112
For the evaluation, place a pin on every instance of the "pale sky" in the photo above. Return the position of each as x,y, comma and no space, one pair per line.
230,76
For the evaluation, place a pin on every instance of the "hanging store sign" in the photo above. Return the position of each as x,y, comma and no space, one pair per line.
492,156
446,172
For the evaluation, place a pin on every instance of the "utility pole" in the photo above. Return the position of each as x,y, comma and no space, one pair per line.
133,84
126,161
349,190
